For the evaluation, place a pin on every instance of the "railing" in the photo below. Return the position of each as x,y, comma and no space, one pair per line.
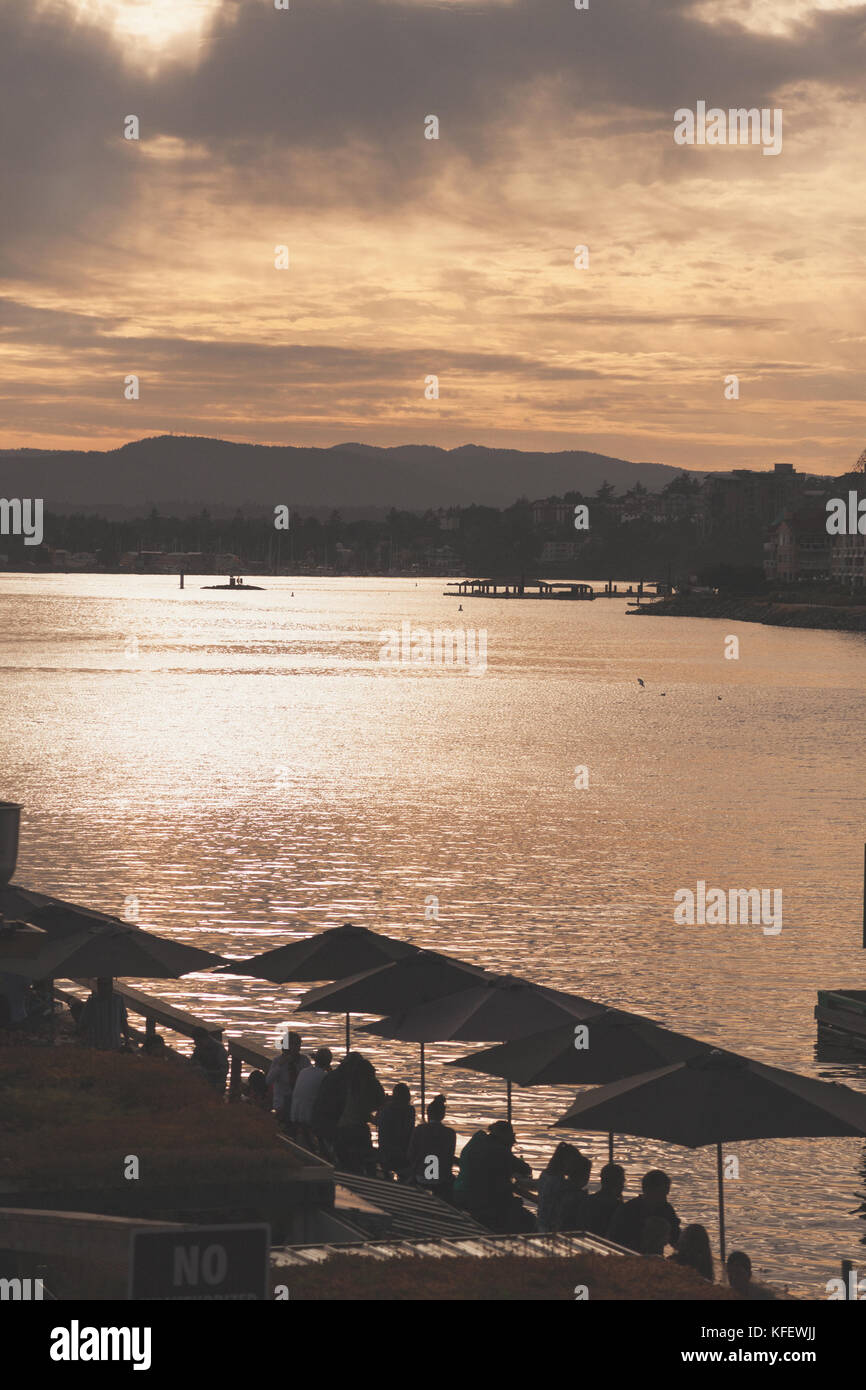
154,1011
157,1011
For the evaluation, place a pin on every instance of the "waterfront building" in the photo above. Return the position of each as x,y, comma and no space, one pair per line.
798,547
746,498
848,560
552,511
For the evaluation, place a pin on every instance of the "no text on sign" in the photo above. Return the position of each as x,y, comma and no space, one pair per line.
200,1262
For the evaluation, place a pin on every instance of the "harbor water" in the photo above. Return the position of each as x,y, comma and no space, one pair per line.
236,770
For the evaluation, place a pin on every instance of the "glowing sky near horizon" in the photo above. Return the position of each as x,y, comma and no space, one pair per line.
452,257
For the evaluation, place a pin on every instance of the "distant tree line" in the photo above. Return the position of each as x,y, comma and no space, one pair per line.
480,540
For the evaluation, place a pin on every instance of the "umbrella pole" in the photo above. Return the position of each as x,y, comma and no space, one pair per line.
508,1094
423,1087
610,1147
348,1033
721,1180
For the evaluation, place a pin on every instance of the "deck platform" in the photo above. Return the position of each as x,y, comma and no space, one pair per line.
841,1018
482,1246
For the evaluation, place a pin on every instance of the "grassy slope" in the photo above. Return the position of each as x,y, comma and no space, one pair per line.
72,1113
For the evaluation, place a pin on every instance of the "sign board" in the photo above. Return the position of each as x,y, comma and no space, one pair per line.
200,1262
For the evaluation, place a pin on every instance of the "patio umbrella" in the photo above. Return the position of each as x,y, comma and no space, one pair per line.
111,951
53,915
405,983
617,1044
495,1006
719,1096
328,955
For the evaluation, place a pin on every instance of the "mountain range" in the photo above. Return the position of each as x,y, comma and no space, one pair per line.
181,474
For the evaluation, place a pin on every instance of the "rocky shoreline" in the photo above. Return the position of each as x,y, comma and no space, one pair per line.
843,618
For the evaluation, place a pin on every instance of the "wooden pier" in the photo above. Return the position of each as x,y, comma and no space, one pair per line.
243,1049
562,589
520,588
841,1018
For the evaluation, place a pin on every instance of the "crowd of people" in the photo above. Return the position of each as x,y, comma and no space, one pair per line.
331,1110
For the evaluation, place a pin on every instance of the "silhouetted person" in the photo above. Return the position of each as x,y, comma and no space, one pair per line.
396,1121
430,1159
327,1109
256,1090
210,1058
363,1097
626,1228
282,1075
601,1206
575,1197
307,1086
562,1193
103,1023
655,1235
484,1183
693,1251
739,1271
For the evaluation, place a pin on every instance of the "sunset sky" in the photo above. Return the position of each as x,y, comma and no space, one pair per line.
454,257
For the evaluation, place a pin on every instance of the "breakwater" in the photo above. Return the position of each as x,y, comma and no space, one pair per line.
842,618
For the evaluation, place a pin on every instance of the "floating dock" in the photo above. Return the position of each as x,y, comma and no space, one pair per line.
841,1018
567,589
520,588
